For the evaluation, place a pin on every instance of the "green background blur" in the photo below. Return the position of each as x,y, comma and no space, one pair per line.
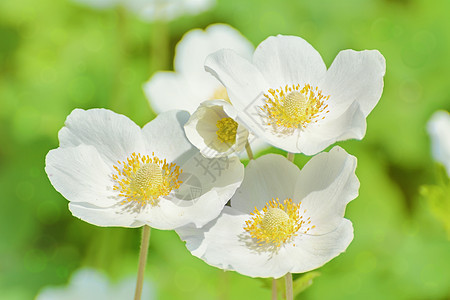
56,56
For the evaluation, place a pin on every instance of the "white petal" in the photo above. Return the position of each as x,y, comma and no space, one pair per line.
207,186
325,185
197,44
289,60
105,216
356,76
80,175
317,137
439,129
245,86
168,91
269,176
113,135
312,251
165,135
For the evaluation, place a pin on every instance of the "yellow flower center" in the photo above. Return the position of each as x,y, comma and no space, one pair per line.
143,179
294,107
226,130
220,93
277,223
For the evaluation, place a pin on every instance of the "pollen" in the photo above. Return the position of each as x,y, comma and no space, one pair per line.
277,223
294,106
226,130
143,179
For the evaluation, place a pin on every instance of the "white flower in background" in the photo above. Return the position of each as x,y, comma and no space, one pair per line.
190,84
439,131
151,10
286,95
281,219
89,284
98,4
117,174
213,132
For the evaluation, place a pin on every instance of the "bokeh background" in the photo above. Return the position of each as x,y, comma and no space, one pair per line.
58,55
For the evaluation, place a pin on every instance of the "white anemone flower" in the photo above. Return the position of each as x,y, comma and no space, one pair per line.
286,96
439,131
211,129
89,284
152,10
117,174
190,84
281,219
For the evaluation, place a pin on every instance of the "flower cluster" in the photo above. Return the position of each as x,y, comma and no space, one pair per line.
180,170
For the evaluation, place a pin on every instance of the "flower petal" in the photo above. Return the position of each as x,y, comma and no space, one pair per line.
325,185
169,90
80,175
269,176
313,251
356,76
165,136
113,135
104,216
316,137
286,60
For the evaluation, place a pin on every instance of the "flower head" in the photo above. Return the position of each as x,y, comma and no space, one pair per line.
117,174
211,129
190,84
281,219
439,130
286,95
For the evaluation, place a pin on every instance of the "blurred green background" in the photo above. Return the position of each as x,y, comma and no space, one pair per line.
56,56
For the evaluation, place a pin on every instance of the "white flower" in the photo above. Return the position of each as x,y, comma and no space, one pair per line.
190,84
151,10
117,174
213,131
439,130
286,95
281,219
89,284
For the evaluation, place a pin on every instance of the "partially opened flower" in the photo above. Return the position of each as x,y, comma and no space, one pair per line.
281,219
89,284
439,130
117,174
190,84
211,129
286,95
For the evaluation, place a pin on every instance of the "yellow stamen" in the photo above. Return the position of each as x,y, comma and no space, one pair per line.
277,223
226,130
294,107
143,179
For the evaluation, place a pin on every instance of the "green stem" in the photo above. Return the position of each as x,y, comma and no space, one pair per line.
249,150
142,261
274,289
290,156
289,287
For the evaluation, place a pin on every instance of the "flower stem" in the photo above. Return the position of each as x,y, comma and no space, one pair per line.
289,286
290,156
142,261
274,289
249,150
